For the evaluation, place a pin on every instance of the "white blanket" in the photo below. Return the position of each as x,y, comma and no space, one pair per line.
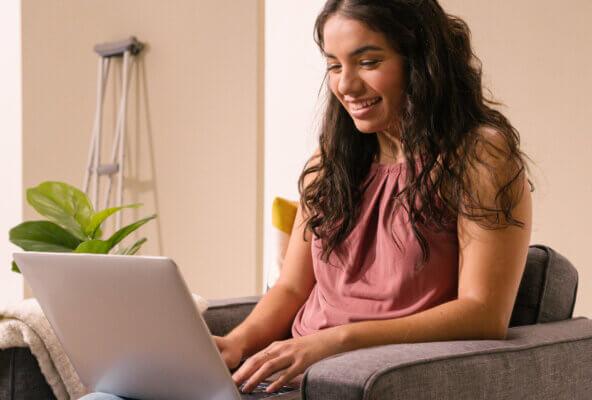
24,325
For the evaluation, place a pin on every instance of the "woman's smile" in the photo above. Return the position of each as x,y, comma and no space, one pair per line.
363,108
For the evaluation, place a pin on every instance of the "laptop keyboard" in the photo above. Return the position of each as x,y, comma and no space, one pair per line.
260,393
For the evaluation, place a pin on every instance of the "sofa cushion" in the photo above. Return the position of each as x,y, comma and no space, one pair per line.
548,288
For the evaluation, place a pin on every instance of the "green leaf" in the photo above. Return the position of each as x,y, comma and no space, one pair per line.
63,204
126,230
43,236
133,249
97,218
15,268
94,246
104,246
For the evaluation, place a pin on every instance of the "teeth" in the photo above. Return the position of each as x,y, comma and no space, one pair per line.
364,104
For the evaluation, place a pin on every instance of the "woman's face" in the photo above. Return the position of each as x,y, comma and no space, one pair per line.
365,73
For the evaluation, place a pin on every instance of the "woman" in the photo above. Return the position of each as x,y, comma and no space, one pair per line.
415,215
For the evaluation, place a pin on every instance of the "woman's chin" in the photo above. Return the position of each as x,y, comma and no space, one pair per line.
366,127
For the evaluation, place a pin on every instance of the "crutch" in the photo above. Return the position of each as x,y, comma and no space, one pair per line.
127,49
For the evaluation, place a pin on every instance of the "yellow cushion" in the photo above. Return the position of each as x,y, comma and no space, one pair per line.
283,213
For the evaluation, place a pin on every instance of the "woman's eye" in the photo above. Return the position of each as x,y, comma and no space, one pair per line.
332,67
369,63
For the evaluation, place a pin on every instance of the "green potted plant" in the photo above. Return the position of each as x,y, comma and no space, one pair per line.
72,224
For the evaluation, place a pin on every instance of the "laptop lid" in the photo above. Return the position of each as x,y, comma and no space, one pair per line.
129,325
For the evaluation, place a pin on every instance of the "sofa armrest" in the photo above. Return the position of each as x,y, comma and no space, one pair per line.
223,315
543,361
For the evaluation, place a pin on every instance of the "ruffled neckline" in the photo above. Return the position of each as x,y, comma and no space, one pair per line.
375,166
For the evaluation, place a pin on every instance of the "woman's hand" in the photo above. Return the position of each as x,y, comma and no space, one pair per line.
290,358
230,351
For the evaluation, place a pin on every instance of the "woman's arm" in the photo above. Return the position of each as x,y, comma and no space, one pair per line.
273,316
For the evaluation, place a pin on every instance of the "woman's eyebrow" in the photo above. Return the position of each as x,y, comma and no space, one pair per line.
358,51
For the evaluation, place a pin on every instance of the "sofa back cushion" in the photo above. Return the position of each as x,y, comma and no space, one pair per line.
548,288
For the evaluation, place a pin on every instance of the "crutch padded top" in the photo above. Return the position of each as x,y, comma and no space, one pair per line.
116,49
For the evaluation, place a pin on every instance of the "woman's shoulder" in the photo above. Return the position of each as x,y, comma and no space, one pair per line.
497,173
490,136
495,150
487,149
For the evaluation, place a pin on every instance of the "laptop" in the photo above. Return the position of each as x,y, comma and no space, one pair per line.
130,327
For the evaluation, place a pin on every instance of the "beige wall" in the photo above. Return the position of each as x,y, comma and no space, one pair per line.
537,60
194,123
294,70
11,284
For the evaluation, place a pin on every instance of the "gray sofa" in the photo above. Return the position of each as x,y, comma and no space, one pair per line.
547,354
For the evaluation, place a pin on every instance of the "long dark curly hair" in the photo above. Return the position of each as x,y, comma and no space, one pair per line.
442,120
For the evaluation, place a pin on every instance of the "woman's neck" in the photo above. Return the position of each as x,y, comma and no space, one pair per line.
390,149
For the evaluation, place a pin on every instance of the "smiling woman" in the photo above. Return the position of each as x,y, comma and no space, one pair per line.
415,211
415,215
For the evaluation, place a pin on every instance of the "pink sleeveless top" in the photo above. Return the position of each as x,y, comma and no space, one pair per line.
386,283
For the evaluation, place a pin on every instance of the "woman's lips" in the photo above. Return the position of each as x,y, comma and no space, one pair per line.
362,109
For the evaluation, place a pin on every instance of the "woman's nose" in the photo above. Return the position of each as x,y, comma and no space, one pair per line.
349,83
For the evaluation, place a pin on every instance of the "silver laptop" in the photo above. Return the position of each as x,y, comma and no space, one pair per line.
130,327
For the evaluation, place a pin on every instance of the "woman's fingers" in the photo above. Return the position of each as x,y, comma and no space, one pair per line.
266,370
258,368
291,377
277,364
251,365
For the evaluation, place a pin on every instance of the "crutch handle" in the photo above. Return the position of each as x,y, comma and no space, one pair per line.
116,49
106,169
